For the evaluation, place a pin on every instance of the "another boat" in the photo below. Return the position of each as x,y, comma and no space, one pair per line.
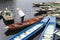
57,34
37,4
48,33
58,22
8,17
25,24
31,30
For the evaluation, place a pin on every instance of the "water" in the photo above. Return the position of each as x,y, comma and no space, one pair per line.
25,5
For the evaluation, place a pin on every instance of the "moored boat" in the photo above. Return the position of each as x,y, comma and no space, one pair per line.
25,24
48,33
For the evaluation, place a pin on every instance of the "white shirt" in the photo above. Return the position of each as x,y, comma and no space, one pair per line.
21,13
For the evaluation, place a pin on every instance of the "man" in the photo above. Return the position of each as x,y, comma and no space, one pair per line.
21,14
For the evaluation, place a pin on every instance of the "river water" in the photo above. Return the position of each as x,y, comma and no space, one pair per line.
25,5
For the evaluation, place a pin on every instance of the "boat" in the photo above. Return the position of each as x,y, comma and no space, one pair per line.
53,8
26,23
58,22
41,12
48,33
31,30
8,17
57,34
37,4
